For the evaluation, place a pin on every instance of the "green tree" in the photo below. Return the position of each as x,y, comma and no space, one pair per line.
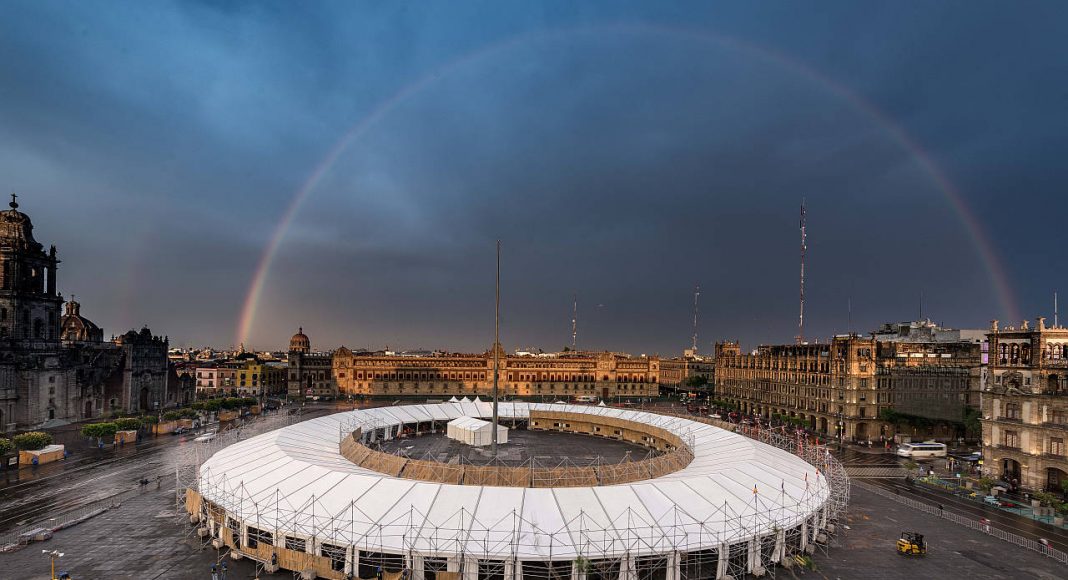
128,423
973,429
172,416
6,446
696,381
33,440
99,430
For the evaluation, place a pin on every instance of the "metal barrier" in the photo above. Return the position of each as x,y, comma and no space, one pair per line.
10,540
980,526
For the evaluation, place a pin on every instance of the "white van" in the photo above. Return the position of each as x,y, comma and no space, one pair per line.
925,449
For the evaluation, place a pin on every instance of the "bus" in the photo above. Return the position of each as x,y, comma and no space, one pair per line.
925,449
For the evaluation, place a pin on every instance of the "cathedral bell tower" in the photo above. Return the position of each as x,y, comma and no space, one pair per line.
29,304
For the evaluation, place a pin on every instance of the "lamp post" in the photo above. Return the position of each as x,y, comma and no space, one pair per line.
52,555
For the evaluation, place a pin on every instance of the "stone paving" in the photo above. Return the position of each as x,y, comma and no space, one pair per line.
141,540
867,549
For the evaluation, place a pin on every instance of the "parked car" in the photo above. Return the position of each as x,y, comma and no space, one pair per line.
208,436
179,431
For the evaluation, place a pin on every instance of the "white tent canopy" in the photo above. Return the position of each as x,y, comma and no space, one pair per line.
734,490
475,432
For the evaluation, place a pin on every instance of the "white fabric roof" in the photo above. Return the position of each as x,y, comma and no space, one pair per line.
295,480
470,423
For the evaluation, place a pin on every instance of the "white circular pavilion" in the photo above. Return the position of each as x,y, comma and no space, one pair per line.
314,497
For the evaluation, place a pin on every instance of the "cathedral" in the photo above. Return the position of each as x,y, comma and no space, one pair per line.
54,368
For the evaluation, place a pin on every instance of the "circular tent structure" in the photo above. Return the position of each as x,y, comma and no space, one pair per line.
315,497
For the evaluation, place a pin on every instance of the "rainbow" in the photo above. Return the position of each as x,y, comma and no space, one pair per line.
980,241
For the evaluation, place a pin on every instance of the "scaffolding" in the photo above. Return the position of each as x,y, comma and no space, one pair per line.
616,540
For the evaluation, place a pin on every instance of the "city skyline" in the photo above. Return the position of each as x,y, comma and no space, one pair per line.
224,176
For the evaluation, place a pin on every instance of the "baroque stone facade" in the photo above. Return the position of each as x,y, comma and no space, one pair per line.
1025,406
61,369
596,375
310,373
841,388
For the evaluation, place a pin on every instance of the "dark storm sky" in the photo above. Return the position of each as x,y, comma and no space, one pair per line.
620,151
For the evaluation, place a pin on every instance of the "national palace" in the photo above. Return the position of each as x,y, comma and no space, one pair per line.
600,375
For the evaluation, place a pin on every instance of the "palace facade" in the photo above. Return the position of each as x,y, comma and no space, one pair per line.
602,375
1025,406
842,388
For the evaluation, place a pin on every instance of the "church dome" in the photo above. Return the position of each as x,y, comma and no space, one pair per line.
76,328
300,342
16,229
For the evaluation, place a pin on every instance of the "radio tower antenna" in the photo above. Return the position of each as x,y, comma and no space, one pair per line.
696,294
801,316
574,321
1055,325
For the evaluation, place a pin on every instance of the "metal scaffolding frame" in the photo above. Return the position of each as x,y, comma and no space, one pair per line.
775,529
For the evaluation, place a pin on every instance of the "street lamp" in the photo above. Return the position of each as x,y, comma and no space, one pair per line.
52,555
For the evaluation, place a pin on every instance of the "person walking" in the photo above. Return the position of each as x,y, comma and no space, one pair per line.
214,572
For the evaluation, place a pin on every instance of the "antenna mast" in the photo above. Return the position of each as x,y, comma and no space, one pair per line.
696,294
1054,309
801,317
574,321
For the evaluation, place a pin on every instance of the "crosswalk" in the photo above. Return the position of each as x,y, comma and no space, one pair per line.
876,472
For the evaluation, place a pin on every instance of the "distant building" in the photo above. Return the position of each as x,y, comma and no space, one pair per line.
1025,406
600,375
927,375
59,369
676,373
310,373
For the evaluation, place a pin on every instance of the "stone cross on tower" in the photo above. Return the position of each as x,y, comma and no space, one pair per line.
14,204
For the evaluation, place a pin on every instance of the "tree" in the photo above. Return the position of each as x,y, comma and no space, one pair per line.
33,440
128,423
6,446
99,430
172,416
696,381
986,484
973,429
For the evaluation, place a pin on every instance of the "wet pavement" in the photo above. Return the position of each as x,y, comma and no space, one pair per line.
32,494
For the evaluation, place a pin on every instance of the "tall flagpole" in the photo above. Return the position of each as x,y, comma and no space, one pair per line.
804,247
496,343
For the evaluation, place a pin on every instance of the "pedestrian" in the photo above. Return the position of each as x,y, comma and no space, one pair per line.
214,572
940,511
159,481
222,576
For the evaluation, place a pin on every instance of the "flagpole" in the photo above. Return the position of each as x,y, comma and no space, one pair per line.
496,344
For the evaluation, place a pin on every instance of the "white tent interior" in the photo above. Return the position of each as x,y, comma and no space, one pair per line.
475,432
